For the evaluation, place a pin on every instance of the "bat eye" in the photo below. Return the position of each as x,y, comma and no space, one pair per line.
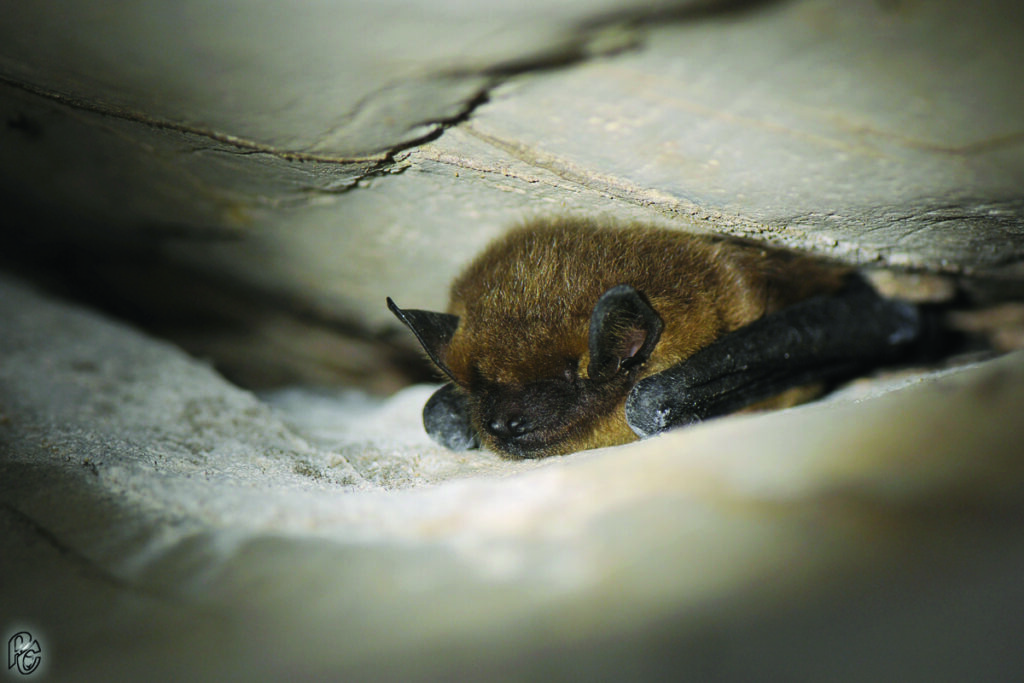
570,373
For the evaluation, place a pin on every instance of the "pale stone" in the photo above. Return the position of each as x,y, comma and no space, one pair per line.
160,522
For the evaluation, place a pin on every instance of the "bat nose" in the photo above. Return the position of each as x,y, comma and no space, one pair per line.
508,427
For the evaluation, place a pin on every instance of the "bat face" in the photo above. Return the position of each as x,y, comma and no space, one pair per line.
553,325
526,402
561,385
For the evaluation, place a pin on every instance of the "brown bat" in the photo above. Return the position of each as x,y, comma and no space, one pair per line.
567,334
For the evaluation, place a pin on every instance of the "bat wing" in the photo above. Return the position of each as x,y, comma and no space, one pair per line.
446,419
820,339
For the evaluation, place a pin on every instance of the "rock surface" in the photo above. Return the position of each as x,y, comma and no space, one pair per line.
252,181
293,155
160,523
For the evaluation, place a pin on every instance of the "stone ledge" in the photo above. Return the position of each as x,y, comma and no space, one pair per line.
151,509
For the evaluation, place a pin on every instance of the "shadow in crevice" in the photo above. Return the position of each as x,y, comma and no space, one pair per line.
257,339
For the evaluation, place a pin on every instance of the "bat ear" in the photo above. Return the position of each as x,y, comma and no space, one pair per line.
623,332
433,330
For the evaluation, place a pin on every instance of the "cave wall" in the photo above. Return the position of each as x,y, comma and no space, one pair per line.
247,181
319,158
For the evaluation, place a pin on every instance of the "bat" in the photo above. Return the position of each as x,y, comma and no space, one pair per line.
568,334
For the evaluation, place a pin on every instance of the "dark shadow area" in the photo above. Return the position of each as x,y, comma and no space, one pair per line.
258,340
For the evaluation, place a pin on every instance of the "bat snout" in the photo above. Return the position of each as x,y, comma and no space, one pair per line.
523,421
508,426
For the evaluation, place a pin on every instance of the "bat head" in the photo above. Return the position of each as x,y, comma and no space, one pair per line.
532,386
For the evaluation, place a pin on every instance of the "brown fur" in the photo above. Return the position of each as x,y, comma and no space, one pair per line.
525,305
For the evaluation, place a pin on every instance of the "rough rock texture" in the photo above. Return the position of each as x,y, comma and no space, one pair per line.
252,180
319,157
161,523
